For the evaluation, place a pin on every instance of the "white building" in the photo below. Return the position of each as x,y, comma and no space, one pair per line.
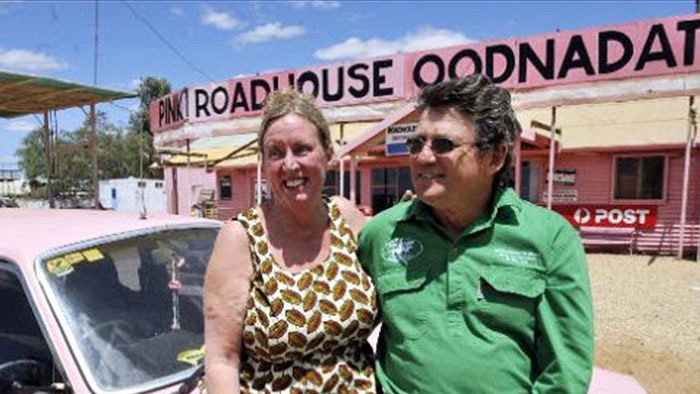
14,187
125,194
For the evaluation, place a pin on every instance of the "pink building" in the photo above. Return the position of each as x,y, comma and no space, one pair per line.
625,162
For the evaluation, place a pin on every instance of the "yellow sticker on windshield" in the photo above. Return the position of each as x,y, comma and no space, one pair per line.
59,267
192,356
74,258
93,254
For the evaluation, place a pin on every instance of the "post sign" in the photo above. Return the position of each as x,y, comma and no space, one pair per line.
666,46
631,216
396,136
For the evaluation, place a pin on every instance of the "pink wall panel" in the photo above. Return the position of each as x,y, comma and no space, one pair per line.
594,182
593,176
366,186
190,181
168,178
241,196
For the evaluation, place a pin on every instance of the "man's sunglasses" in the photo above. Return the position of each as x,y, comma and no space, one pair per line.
439,145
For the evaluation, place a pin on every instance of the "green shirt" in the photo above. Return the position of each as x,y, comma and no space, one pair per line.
505,308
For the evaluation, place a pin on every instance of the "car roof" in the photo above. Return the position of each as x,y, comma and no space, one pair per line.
26,233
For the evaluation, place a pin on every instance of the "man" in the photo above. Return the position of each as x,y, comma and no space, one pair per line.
480,291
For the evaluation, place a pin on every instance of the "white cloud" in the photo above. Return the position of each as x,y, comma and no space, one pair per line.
22,59
176,11
321,4
134,83
221,20
424,38
20,125
270,31
358,16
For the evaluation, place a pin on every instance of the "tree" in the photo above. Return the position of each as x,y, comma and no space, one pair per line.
118,150
150,89
72,165
31,154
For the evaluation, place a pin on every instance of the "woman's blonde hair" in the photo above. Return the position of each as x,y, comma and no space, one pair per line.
287,101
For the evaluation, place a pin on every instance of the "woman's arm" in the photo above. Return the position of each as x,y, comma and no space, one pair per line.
353,217
226,288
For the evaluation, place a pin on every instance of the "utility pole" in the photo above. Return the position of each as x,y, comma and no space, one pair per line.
93,150
93,126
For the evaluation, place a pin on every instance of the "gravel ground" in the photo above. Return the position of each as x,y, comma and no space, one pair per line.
647,319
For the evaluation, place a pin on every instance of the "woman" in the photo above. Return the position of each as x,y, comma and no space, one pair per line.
287,305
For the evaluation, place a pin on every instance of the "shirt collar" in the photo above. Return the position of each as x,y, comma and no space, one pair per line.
504,199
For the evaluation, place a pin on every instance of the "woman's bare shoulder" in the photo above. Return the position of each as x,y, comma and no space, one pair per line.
231,251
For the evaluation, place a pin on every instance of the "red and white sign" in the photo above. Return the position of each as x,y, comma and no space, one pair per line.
636,216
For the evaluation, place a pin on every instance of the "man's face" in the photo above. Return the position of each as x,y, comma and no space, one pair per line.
451,179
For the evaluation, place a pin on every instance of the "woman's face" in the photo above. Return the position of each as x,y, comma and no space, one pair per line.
295,162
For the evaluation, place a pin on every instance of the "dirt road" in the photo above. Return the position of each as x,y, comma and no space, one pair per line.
647,317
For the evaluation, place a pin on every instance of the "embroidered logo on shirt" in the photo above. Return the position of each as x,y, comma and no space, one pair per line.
402,250
518,256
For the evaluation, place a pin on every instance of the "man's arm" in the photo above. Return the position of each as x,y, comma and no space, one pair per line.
564,334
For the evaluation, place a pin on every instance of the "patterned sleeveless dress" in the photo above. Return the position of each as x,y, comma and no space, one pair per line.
307,332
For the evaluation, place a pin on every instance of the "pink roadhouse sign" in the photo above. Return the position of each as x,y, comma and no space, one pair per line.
639,49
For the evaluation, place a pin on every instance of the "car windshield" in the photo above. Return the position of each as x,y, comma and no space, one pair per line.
132,308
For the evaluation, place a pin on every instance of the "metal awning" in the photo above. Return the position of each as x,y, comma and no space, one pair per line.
22,94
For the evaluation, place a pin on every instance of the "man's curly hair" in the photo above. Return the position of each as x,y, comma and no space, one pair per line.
487,105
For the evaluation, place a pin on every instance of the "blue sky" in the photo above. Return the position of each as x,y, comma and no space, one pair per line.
221,40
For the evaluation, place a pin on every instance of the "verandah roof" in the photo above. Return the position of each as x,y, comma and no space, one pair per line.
22,94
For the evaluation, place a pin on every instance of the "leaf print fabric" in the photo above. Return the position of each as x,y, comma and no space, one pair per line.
307,332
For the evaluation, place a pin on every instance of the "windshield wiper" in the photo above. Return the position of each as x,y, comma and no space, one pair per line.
191,382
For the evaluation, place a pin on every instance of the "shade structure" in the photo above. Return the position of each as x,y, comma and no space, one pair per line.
23,94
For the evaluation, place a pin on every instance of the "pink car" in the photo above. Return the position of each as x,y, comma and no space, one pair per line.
97,302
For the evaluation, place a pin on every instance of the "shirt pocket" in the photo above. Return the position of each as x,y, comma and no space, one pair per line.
507,300
404,314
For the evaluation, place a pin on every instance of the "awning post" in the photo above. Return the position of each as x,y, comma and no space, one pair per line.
353,179
518,164
690,139
189,175
552,143
341,180
258,184
49,161
341,165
